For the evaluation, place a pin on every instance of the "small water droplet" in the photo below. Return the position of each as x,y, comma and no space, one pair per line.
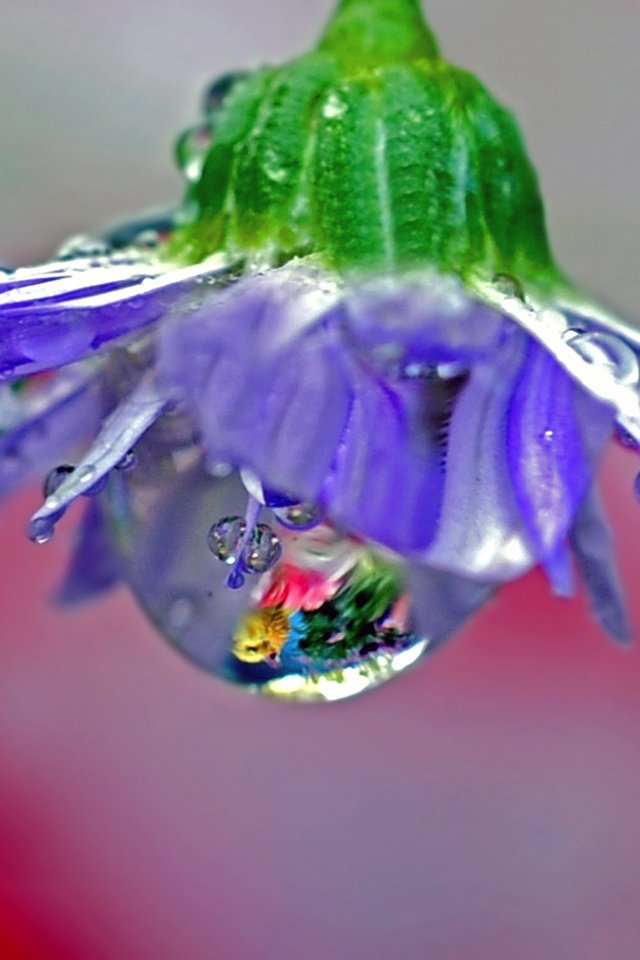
128,462
55,478
235,580
263,550
548,436
608,351
299,516
218,90
509,286
225,537
82,245
147,239
191,148
41,529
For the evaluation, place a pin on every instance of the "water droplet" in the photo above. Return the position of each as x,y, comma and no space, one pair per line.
147,239
82,245
263,550
225,537
608,351
41,529
299,516
191,148
55,478
235,580
548,436
218,90
128,462
506,284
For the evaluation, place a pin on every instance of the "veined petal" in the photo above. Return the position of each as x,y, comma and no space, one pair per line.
480,531
39,429
61,312
556,433
261,367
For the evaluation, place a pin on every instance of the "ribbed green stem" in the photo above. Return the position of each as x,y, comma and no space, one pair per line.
370,33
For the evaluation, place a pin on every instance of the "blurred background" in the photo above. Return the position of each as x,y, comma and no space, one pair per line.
484,806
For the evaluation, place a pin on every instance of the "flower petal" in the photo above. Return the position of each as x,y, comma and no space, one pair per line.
60,312
480,531
118,434
262,371
94,567
39,430
593,550
556,432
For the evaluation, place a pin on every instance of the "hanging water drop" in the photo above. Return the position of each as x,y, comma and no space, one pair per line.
263,550
225,538
128,462
191,148
218,90
41,529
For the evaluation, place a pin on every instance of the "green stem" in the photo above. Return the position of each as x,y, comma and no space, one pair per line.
369,33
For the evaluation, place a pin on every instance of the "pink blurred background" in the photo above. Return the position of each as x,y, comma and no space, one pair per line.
486,806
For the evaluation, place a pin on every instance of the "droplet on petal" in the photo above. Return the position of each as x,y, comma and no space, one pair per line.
54,478
607,350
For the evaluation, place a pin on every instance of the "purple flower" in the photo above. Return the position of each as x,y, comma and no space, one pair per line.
400,440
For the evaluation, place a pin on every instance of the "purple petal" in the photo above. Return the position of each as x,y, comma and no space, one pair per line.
593,550
556,433
94,567
480,532
39,430
264,374
118,434
61,312
430,320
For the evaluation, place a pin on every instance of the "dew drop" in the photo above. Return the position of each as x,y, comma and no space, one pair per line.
263,550
191,148
128,462
299,516
506,284
41,529
235,580
609,351
218,90
55,478
224,538
82,245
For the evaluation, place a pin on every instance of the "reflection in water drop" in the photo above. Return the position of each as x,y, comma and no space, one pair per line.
225,538
262,551
299,516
